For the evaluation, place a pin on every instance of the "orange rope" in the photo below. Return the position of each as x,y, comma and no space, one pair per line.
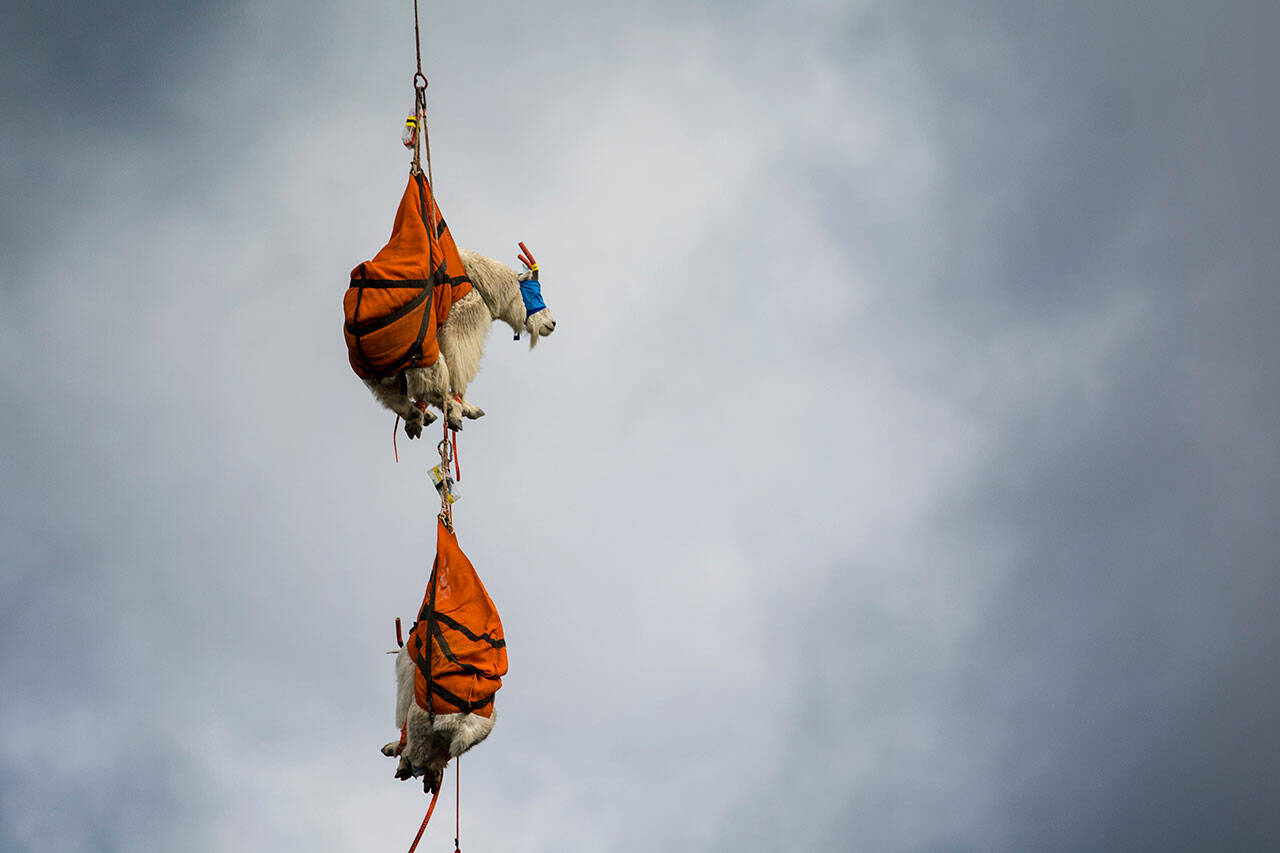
430,809
457,467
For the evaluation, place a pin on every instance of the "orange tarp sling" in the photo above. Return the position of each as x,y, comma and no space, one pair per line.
457,642
397,300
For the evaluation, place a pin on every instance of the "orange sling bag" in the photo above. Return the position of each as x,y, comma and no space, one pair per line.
396,301
457,643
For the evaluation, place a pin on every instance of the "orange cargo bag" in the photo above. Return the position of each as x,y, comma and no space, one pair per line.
457,643
396,301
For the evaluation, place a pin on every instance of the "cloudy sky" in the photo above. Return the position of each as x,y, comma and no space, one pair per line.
901,476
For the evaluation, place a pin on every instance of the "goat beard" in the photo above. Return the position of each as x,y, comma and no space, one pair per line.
533,334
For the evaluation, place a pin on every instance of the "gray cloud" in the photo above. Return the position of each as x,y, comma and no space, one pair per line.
897,478
1100,272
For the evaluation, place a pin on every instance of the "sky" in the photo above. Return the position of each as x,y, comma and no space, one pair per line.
900,477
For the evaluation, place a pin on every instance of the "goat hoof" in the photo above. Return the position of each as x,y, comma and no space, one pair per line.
413,428
474,412
403,769
392,749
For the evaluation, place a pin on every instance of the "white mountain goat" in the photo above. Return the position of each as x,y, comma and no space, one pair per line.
429,742
496,295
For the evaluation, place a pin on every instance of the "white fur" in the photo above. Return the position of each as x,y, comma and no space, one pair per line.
429,743
495,296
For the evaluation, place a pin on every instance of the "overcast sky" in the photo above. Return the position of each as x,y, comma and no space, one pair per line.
901,475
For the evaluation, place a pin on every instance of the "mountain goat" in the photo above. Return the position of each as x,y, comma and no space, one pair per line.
496,295
428,743
450,669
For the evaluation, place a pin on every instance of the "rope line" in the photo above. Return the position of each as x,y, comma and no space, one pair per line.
420,83
417,41
457,468
422,140
446,506
425,820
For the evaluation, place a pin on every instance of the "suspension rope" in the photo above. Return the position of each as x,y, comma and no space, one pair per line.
422,138
417,40
446,498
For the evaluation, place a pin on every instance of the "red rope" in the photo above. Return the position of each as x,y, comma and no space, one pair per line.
430,809
457,467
